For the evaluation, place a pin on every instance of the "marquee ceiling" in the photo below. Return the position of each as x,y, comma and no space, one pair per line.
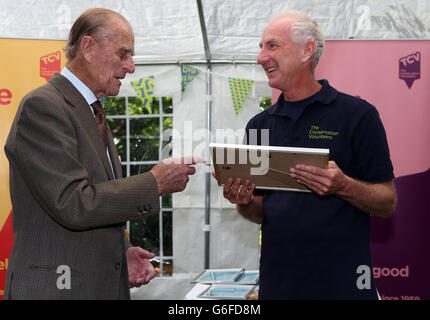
170,30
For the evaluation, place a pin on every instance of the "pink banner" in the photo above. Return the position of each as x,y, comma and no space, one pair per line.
394,77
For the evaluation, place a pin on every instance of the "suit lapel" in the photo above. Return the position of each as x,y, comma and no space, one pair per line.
85,116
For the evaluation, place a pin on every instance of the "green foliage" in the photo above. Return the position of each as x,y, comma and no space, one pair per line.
114,106
137,107
144,139
265,102
118,128
167,105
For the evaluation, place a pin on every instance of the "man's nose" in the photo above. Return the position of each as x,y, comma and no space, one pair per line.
262,57
129,65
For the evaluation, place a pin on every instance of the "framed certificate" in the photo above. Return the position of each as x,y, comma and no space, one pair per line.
249,277
266,166
219,275
227,291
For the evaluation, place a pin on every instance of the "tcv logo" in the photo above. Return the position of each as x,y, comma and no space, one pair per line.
410,68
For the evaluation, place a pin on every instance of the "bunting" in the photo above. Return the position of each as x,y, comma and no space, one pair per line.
188,74
240,89
144,88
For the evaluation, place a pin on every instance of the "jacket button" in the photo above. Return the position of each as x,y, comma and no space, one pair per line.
117,266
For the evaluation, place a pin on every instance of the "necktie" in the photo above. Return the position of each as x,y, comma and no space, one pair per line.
100,120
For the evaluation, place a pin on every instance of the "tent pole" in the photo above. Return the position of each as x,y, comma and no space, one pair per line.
208,173
204,31
208,123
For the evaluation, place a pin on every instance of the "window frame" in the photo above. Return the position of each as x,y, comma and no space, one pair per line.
161,258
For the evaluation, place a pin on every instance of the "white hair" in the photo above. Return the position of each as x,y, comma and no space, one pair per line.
303,30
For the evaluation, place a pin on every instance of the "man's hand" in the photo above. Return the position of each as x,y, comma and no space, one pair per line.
172,174
378,199
241,192
322,181
238,191
140,270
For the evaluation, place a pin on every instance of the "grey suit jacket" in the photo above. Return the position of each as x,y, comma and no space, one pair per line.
68,210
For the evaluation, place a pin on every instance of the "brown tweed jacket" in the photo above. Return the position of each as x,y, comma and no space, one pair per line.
68,210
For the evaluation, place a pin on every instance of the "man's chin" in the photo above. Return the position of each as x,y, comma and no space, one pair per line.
273,84
113,92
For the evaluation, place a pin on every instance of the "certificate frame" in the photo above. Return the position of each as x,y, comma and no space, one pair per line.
227,292
250,277
219,275
266,166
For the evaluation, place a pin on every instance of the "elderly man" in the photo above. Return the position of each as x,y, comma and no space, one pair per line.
70,202
314,245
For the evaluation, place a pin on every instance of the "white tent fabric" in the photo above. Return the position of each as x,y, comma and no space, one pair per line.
170,30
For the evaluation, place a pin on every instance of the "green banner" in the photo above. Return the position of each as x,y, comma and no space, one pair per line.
240,89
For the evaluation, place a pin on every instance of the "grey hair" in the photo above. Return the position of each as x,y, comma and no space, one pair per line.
305,29
93,22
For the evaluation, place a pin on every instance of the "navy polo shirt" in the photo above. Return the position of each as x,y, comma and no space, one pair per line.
313,245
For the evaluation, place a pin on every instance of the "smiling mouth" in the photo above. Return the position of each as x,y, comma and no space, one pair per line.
270,70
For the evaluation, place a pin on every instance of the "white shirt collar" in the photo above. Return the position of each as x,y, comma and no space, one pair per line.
79,85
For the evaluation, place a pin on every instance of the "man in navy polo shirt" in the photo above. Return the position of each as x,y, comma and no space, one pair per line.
315,245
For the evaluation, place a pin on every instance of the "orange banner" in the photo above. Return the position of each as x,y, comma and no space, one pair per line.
25,65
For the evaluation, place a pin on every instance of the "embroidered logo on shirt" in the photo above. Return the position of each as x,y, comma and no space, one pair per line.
317,133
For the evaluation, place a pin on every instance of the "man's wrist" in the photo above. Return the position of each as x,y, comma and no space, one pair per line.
347,189
244,205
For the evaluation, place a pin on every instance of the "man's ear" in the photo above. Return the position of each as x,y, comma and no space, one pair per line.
308,50
87,47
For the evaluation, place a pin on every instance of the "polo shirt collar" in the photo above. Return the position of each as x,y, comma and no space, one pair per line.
325,96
